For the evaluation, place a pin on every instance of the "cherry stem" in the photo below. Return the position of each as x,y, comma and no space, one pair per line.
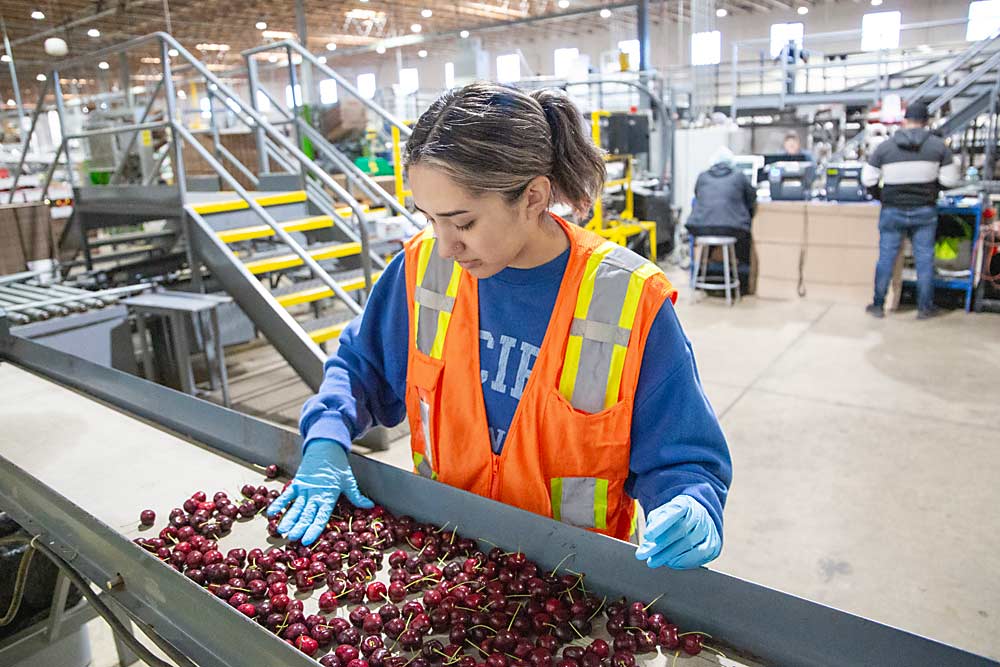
598,611
512,618
712,648
655,600
694,632
486,627
565,558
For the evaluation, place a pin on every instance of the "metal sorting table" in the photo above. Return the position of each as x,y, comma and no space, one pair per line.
85,448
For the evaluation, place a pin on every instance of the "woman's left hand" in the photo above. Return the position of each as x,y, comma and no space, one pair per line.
679,534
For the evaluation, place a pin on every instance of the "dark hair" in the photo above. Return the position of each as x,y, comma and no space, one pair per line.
792,134
495,138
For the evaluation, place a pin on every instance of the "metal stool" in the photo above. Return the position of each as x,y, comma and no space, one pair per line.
730,280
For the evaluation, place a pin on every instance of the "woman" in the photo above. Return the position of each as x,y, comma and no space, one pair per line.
590,397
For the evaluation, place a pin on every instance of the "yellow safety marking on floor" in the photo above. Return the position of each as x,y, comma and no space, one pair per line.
326,333
270,264
322,291
240,204
264,231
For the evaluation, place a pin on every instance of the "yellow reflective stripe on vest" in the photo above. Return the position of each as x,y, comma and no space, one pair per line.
607,302
434,298
580,501
422,467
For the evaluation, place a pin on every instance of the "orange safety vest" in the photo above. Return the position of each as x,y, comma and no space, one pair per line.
566,455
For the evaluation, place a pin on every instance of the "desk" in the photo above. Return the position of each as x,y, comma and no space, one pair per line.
175,307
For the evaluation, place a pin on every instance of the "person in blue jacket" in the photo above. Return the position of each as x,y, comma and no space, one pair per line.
491,137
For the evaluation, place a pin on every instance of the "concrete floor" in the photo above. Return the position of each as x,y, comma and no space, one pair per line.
864,456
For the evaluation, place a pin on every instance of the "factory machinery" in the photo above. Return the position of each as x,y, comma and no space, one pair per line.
123,444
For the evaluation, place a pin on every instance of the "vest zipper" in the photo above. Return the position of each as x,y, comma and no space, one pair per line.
494,475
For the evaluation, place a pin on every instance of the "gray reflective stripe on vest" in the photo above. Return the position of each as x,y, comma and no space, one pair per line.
424,470
600,331
425,428
580,501
431,297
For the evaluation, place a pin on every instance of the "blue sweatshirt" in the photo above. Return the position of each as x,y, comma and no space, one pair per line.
677,444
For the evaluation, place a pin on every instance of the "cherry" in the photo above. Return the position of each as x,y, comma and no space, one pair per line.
376,592
294,630
692,644
600,648
237,599
247,609
322,634
147,517
397,591
358,662
358,615
623,659
328,602
345,653
330,660
574,653
350,636
306,644
372,624
280,602
388,611
198,496
668,637
370,644
271,471
410,639
496,660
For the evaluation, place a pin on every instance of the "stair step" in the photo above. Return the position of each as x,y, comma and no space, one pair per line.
314,290
238,204
264,231
325,328
289,260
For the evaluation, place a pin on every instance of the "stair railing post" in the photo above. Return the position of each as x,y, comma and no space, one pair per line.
253,80
293,82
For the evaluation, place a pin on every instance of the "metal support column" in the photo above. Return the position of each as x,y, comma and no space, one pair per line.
296,99
13,76
301,27
253,81
642,30
61,112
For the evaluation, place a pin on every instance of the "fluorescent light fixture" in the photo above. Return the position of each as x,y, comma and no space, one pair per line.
876,3
94,32
41,77
606,13
149,60
464,34
37,15
721,13
260,25
277,34
330,46
212,47
103,65
422,53
563,4
802,10
416,27
380,49
426,13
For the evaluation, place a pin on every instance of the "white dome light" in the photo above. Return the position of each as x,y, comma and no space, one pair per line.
416,27
721,13
261,25
605,13
37,15
93,32
802,11
422,53
331,47
464,34
56,47
380,49
426,13
104,65
41,77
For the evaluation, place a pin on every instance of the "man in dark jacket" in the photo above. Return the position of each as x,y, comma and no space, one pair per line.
724,204
912,167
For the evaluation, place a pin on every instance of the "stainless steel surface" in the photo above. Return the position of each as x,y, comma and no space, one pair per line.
779,628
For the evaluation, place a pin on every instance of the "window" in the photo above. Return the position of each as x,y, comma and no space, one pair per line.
263,102
984,19
289,102
449,75
706,48
508,67
564,60
630,47
880,31
366,85
328,91
409,80
782,33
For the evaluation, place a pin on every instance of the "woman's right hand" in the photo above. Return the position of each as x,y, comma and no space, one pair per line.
323,475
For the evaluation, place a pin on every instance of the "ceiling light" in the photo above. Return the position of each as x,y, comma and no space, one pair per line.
721,13
94,32
4,58
260,25
212,47
149,60
37,15
181,94
422,53
605,13
331,46
426,13
563,4
322,60
380,49
40,77
416,27
272,58
278,34
173,53
11,103
876,3
802,11
463,34
103,65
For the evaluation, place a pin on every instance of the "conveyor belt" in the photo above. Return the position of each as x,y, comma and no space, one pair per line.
84,470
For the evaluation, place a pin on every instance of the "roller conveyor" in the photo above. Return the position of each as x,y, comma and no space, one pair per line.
84,448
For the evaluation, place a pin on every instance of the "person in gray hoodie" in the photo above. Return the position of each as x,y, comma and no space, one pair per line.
724,205
905,173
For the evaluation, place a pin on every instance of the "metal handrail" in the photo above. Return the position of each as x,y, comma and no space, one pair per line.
966,81
956,64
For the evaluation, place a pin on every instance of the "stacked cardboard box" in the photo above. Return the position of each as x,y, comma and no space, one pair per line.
779,235
26,234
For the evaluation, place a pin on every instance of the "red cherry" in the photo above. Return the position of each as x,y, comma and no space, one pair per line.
692,644
328,602
376,592
271,471
345,653
306,644
147,517
247,609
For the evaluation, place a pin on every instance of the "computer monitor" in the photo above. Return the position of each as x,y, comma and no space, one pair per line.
750,165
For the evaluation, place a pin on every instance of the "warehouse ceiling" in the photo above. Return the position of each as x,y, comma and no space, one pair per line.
217,31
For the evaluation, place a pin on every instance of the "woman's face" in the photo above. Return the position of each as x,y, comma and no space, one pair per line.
482,232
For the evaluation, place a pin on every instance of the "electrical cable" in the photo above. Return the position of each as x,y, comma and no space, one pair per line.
105,612
19,581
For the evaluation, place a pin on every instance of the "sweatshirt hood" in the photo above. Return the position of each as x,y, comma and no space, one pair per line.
911,139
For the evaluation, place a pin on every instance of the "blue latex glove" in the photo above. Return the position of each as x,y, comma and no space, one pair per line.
679,534
323,475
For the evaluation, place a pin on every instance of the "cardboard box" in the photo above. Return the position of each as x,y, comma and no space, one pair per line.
26,234
780,222
778,260
842,224
777,288
840,265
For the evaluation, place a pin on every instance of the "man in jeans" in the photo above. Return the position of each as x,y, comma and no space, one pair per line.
912,167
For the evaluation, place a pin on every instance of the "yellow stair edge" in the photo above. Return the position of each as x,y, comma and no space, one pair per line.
326,333
323,292
280,262
240,204
264,231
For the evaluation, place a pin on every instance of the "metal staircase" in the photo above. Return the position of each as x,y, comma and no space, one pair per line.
299,261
